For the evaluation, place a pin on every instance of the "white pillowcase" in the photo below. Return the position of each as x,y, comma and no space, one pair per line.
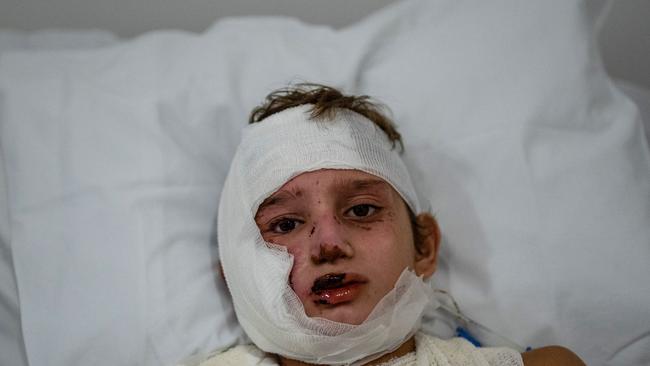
533,162
115,161
641,97
536,167
12,350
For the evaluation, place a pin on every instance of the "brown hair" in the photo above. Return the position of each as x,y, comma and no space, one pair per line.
325,100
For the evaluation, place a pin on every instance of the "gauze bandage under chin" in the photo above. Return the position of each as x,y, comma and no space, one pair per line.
272,152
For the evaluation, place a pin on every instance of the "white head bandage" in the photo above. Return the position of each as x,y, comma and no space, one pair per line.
272,152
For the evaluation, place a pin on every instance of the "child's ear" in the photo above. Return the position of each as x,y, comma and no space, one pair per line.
429,232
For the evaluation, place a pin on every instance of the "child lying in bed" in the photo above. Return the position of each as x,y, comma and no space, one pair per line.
325,247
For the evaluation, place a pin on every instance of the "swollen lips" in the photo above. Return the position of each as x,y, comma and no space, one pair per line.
328,281
331,289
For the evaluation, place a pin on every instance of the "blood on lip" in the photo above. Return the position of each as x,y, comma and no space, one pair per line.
328,281
338,295
331,289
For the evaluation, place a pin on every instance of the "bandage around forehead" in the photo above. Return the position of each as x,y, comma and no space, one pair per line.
271,153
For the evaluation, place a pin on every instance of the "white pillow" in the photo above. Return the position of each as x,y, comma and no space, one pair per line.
640,96
115,160
531,161
12,350
535,165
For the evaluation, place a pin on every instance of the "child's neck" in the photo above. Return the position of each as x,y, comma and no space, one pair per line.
405,348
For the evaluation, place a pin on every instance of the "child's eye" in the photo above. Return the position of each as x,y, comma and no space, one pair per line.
284,226
362,210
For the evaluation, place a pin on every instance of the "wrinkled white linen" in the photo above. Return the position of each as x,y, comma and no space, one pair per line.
533,162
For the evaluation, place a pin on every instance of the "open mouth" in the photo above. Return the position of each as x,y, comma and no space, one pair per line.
328,281
336,288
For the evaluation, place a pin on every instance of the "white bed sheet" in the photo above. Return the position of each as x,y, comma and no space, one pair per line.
534,163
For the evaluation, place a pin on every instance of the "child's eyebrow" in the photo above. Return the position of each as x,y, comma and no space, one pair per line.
276,199
360,184
345,185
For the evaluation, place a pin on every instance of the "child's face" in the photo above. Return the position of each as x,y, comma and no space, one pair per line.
350,235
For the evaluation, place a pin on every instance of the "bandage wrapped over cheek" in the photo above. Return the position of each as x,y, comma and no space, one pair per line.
272,152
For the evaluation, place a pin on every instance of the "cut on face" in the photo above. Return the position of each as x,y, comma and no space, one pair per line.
350,235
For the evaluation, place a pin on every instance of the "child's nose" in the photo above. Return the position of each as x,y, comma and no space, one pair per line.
329,242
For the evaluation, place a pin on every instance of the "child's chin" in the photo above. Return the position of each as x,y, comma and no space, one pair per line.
344,313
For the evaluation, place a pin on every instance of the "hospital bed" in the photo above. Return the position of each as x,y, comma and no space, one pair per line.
113,154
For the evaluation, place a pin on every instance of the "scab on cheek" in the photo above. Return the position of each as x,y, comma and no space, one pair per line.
298,269
364,227
391,215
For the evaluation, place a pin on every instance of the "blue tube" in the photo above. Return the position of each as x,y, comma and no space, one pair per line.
463,333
